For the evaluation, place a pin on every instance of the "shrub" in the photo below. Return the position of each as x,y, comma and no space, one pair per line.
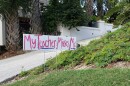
110,48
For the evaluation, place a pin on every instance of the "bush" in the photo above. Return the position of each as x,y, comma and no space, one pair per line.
110,48
23,73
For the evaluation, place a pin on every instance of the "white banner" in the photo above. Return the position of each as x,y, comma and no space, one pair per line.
46,42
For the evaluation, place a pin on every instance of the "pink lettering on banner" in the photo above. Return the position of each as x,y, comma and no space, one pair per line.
65,43
39,42
53,44
72,43
32,42
43,42
59,42
27,38
33,45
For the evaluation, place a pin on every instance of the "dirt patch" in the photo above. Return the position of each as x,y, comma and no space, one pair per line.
84,66
7,54
119,64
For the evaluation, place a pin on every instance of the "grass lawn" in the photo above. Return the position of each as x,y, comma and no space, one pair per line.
92,77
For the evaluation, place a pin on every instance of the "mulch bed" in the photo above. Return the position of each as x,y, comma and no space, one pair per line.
7,54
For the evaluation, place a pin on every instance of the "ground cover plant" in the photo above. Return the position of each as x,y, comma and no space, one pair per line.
115,46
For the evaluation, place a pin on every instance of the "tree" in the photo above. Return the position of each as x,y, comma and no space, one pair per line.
111,3
89,7
51,16
100,8
73,15
66,12
120,13
9,9
35,18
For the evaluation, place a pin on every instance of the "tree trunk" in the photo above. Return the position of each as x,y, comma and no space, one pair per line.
100,8
12,29
35,18
89,7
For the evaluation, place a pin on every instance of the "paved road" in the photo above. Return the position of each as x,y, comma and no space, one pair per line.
13,66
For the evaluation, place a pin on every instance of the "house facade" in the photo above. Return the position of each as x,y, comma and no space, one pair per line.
2,31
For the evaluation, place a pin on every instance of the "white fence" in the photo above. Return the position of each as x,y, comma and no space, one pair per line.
84,32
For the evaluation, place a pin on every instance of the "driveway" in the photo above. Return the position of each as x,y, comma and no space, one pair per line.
12,66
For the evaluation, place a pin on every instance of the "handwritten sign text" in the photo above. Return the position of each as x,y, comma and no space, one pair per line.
45,42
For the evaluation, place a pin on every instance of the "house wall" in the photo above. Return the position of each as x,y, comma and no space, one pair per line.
2,31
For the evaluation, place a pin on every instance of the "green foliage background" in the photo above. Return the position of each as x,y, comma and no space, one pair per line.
69,14
120,12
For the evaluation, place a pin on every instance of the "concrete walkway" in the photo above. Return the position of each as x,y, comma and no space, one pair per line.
12,66
86,41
